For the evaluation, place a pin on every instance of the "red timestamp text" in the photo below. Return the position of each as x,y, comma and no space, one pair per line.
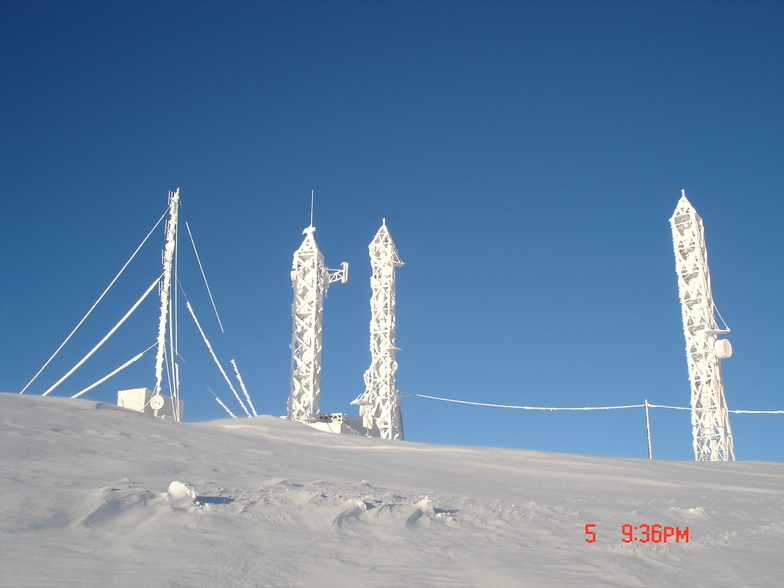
645,534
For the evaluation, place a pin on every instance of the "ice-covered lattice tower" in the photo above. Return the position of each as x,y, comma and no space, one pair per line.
168,311
310,280
704,350
379,405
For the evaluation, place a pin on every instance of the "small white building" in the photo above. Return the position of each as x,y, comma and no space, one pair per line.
138,399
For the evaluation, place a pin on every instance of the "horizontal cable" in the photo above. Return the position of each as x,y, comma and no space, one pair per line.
758,411
528,407
585,407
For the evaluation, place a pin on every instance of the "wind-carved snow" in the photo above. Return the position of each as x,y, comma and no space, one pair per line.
123,504
114,498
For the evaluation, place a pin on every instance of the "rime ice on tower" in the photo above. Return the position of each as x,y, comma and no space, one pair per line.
157,401
153,401
379,405
704,350
310,280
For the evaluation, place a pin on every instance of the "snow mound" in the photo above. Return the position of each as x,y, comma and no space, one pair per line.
180,491
119,505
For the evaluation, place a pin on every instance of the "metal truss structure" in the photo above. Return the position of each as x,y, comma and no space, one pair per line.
310,280
167,312
379,405
704,350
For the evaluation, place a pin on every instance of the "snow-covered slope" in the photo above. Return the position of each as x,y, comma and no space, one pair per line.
86,503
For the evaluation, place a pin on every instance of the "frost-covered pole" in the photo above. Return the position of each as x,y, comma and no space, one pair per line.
165,288
310,280
379,405
709,416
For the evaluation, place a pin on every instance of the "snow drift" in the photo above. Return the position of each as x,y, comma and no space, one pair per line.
97,496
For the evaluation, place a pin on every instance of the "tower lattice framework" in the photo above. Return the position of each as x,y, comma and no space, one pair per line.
379,405
310,280
704,350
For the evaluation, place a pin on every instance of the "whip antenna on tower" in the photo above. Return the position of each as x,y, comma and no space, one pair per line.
379,405
704,350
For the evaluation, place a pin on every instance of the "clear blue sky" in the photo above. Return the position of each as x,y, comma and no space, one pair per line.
526,155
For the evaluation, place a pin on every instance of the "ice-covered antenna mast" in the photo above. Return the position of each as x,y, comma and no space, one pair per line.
379,405
310,280
157,402
704,350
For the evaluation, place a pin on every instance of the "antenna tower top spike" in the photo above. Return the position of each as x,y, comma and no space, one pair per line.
312,198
